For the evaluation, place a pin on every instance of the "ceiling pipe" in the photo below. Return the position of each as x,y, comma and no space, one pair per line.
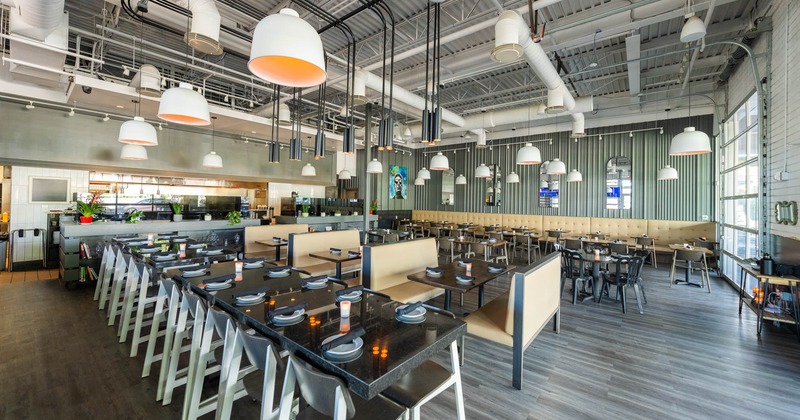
37,18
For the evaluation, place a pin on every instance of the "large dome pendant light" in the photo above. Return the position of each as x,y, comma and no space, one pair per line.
440,162
287,50
308,170
667,173
137,131
424,174
133,152
529,155
690,141
212,159
374,167
483,171
574,176
461,180
183,105
556,167
693,29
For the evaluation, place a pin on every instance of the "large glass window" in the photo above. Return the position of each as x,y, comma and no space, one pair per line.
741,175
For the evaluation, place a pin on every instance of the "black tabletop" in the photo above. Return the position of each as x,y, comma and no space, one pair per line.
190,256
391,348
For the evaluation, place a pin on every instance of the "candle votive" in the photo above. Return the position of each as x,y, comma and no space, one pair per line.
344,307
239,265
344,325
183,250
469,268
150,239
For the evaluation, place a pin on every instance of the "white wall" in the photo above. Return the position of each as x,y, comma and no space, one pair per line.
25,215
741,86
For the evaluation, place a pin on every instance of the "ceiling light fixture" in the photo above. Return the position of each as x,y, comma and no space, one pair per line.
432,118
137,131
212,159
133,152
344,175
461,180
512,178
556,167
71,112
483,171
574,176
183,105
690,141
693,28
529,155
374,167
29,106
308,170
440,162
667,173
424,174
419,182
287,50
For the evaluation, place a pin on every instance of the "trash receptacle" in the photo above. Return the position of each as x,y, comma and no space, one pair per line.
3,247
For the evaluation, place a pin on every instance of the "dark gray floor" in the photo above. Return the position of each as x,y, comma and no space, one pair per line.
689,356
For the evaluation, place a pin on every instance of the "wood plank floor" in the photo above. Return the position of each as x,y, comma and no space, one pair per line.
689,356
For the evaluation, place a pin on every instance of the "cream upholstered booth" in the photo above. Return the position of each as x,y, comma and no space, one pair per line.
572,224
429,215
677,232
618,228
266,233
387,266
303,244
532,221
516,317
486,219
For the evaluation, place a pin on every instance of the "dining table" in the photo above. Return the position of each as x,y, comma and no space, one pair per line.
688,268
274,244
391,348
190,256
597,279
338,257
379,234
461,242
447,279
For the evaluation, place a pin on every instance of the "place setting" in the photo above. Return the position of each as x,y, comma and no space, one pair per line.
251,263
163,256
317,282
216,283
251,297
213,250
413,313
287,315
194,271
351,294
344,346
281,271
434,271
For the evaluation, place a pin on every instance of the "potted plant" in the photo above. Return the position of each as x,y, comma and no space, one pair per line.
207,217
373,207
134,216
88,210
177,210
305,209
234,217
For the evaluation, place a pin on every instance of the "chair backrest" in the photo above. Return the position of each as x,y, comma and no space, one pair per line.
191,301
257,347
689,255
554,234
444,244
496,235
319,390
576,263
391,237
388,265
635,268
644,241
619,248
534,297
605,249
711,246
219,319
573,244
303,244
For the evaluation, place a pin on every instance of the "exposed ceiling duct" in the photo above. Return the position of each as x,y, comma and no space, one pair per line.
204,33
45,24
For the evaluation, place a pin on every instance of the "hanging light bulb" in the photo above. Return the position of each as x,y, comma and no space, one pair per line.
212,159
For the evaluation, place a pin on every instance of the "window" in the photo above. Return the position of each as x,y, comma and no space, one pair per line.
740,180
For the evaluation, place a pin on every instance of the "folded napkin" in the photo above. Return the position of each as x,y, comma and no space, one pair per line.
353,254
252,260
464,277
286,310
304,282
465,261
434,269
278,268
496,267
644,235
163,254
702,238
349,290
411,307
220,279
178,237
214,248
347,338
127,236
336,250
251,292
195,268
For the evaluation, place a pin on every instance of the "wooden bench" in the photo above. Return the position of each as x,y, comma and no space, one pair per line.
515,318
266,233
303,244
387,266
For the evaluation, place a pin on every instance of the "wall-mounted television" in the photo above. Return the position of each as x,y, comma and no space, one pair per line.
49,190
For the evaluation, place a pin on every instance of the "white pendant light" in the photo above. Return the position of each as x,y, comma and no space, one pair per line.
440,162
374,167
419,181
574,176
667,173
182,105
308,170
690,142
461,180
529,155
287,50
489,190
693,29
424,174
133,152
212,160
556,167
137,131
544,184
483,172
513,178
284,115
344,174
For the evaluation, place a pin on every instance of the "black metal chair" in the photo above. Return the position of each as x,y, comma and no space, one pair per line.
573,268
627,274
573,244
648,249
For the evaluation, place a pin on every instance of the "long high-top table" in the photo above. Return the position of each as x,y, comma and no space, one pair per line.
406,345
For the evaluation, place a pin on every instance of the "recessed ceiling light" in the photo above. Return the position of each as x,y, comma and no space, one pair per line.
252,132
120,106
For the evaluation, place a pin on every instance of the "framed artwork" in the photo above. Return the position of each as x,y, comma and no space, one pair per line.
49,190
398,182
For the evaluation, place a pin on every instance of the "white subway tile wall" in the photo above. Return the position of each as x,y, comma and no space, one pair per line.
25,215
